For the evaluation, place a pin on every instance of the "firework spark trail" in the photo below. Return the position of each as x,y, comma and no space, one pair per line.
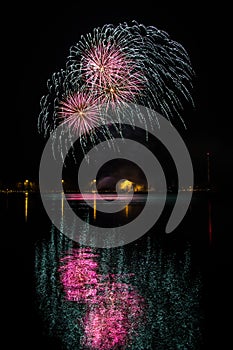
114,309
111,67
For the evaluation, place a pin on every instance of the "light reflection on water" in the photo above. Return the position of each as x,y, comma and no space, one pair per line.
114,308
26,207
161,281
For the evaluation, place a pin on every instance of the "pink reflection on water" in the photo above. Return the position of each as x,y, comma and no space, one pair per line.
78,275
114,308
92,196
114,319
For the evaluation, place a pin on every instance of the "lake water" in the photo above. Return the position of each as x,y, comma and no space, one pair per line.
162,291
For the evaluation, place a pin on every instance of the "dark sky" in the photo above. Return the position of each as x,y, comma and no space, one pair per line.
36,43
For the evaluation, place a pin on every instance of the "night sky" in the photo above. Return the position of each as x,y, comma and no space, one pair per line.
37,42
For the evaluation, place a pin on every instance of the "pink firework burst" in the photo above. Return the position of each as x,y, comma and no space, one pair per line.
80,111
111,75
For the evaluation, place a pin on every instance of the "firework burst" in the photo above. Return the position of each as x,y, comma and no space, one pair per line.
110,68
80,112
111,75
146,65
